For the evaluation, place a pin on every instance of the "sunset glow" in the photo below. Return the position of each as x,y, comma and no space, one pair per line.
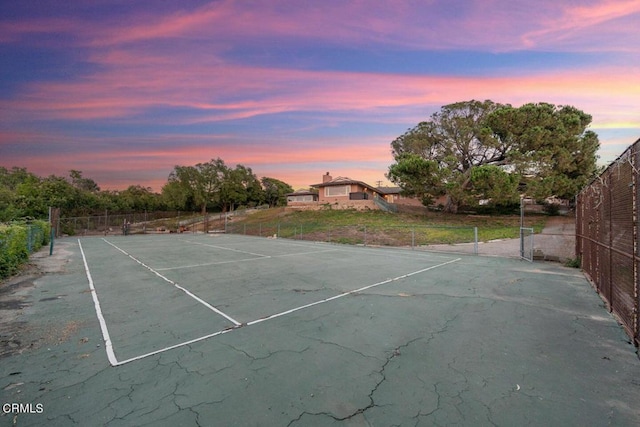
124,91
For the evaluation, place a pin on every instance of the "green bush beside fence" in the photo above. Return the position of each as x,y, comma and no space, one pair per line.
17,241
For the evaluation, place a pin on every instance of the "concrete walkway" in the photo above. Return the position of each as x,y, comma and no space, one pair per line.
556,242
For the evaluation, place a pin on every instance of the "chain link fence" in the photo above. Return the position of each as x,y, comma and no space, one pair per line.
415,237
526,243
607,231
120,223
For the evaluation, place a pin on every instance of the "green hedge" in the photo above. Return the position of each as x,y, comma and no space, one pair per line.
17,241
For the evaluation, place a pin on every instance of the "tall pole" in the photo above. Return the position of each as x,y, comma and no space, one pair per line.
521,226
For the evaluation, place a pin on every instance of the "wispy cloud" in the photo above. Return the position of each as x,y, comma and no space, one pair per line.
238,92
145,87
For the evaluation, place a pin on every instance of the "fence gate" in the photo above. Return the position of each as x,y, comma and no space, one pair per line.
526,243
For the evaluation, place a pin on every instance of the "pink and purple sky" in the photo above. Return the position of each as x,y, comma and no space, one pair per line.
124,91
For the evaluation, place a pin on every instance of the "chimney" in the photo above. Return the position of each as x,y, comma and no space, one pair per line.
326,178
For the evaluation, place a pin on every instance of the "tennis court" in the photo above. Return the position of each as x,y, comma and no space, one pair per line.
209,285
236,330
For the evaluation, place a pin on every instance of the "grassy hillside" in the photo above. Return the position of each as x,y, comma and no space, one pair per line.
354,227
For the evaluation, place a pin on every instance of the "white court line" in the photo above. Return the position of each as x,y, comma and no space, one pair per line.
400,251
404,276
186,291
284,313
103,325
226,249
305,253
182,344
209,263
243,260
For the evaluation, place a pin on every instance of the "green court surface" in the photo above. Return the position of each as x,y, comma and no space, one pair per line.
234,330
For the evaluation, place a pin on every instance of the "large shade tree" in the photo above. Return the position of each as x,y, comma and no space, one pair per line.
199,184
240,186
476,150
551,147
275,191
212,184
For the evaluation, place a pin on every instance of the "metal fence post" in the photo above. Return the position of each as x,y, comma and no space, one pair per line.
29,239
413,238
521,227
475,240
51,237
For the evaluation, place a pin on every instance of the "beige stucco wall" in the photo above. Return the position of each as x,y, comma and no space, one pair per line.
343,203
353,188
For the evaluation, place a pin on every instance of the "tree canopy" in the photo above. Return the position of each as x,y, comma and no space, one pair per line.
275,191
471,151
210,185
213,185
23,194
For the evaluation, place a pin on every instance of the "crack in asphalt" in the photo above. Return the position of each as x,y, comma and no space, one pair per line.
394,354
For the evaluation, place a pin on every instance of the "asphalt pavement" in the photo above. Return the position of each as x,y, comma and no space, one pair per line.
457,340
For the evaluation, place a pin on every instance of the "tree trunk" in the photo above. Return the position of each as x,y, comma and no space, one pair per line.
451,205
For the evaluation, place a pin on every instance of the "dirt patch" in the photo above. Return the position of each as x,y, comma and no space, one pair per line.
15,297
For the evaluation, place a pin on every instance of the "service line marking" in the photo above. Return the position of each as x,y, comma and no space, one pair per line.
364,288
284,313
244,260
182,344
226,249
186,291
103,325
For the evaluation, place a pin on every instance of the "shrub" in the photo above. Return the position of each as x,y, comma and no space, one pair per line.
17,240
573,263
551,209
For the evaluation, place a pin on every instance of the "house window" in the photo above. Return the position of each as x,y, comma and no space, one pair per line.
307,198
337,190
